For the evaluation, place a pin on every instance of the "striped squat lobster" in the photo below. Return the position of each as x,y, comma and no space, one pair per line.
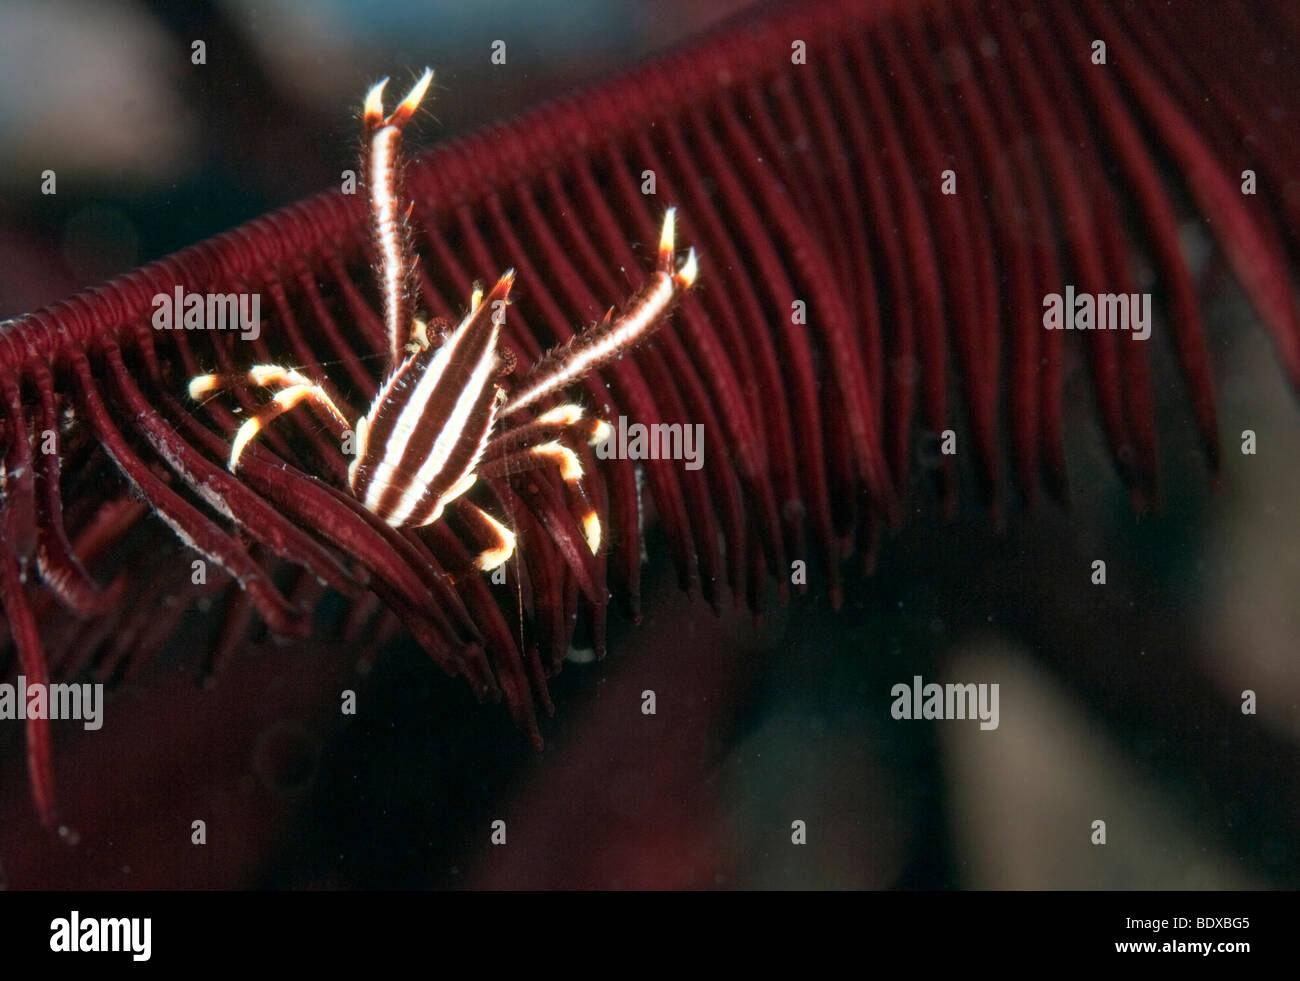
440,420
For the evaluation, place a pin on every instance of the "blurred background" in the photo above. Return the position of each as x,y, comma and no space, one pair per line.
1119,703
153,153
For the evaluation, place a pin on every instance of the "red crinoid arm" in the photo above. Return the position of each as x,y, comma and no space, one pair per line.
389,212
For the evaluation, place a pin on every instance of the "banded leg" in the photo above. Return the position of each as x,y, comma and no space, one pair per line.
389,216
504,545
642,316
577,537
569,417
260,375
542,443
294,388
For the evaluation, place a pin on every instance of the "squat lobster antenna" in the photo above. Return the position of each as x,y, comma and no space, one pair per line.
642,316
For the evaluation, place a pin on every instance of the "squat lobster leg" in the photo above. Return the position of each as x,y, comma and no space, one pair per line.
499,554
593,348
390,227
541,443
294,388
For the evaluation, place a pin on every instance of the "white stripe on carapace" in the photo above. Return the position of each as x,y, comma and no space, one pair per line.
452,432
381,475
409,418
358,450
404,428
453,492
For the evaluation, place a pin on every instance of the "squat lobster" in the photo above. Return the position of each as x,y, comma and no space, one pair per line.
432,430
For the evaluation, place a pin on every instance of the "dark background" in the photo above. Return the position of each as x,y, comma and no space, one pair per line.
1118,703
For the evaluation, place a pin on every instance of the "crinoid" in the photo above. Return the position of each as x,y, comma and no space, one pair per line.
851,311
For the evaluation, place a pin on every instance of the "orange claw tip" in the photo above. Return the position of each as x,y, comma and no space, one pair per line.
689,272
667,236
413,97
406,109
374,105
501,291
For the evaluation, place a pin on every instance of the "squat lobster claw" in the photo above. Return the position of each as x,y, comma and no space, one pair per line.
438,421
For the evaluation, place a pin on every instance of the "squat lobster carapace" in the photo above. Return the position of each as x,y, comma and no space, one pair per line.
441,420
